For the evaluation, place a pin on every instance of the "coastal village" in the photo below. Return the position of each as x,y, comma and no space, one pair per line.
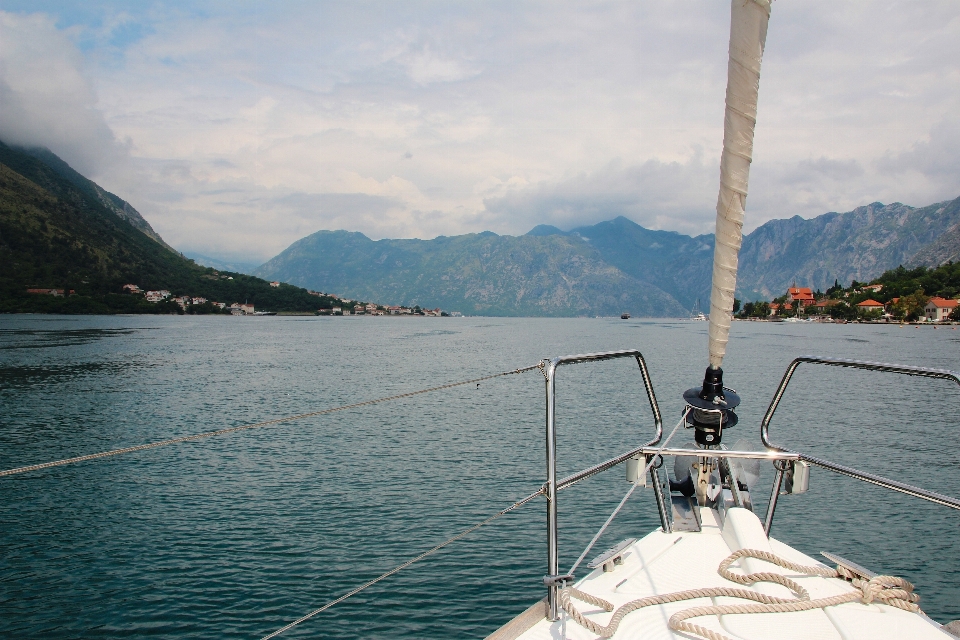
856,303
340,306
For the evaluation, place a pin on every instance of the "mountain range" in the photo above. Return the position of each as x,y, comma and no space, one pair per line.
618,265
60,230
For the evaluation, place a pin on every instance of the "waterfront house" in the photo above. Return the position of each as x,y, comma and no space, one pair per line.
938,309
776,309
870,305
803,296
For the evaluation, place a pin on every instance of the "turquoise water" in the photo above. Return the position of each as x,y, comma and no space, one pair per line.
234,536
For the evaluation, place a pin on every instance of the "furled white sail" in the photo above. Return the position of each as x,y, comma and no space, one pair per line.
748,34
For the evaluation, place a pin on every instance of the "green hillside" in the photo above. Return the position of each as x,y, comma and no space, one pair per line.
942,281
59,230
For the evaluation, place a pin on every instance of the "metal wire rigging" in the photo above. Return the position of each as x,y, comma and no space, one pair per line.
267,423
398,568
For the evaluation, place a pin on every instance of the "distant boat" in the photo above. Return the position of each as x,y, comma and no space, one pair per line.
697,314
264,313
624,316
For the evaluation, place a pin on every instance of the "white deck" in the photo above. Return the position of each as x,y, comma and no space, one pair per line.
663,563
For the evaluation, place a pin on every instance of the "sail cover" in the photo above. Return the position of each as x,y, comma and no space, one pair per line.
748,34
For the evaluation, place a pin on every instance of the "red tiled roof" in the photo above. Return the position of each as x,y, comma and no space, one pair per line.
943,303
870,303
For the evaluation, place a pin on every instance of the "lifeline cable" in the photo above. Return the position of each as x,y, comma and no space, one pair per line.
406,564
633,487
220,432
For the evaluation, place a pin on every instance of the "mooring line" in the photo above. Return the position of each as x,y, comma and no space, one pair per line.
406,564
220,432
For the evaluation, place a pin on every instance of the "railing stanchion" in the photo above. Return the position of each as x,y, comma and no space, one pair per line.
658,493
553,579
774,494
553,557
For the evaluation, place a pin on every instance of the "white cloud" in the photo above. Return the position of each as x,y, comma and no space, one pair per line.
249,128
672,195
46,98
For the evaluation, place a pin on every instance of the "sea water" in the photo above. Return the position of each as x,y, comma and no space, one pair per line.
236,535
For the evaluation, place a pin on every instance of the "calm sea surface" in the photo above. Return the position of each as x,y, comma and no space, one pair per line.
234,536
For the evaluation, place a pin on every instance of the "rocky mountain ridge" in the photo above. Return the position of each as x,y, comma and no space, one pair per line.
614,266
857,245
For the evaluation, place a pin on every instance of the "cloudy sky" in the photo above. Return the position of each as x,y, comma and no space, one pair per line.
236,128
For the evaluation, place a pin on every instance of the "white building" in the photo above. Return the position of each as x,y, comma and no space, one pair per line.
156,296
938,309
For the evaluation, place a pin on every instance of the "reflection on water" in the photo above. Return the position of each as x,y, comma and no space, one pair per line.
234,536
22,376
46,338
429,334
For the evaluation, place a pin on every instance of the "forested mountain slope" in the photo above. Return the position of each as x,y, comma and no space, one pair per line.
59,230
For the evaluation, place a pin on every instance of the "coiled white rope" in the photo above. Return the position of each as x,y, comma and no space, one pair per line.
889,590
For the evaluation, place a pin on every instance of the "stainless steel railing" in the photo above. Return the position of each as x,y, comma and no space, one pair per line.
780,456
552,486
911,490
